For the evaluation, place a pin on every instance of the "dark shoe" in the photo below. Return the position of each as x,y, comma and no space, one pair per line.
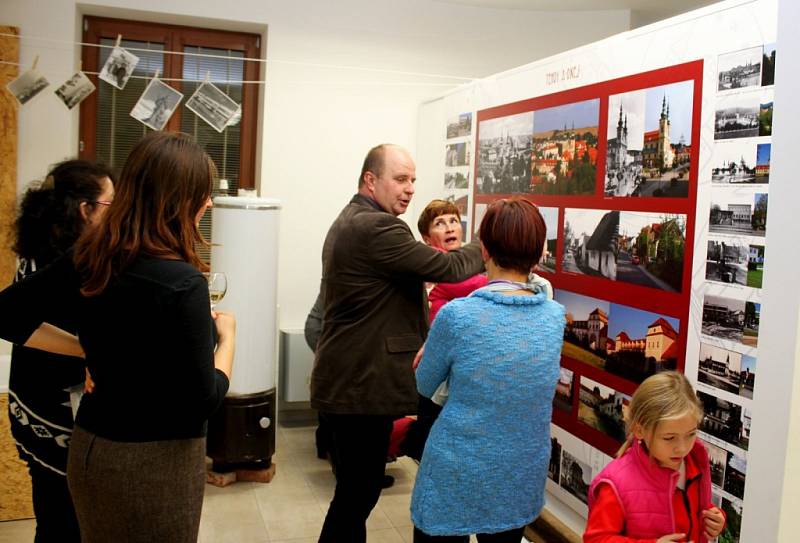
388,481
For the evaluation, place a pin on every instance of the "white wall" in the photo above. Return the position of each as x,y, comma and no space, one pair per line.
317,123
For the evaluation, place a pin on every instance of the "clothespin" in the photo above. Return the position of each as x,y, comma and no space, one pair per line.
119,40
35,62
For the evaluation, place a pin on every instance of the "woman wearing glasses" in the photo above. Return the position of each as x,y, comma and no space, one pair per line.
136,466
52,215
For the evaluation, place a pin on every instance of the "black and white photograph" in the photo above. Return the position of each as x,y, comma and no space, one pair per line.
27,85
717,459
634,247
603,408
723,318
213,106
75,89
548,261
739,69
119,67
735,474
459,126
734,162
649,142
725,420
740,212
737,116
575,476
563,398
456,154
504,154
727,370
156,105
457,179
554,467
727,261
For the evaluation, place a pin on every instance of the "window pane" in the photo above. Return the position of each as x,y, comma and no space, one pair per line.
117,132
223,147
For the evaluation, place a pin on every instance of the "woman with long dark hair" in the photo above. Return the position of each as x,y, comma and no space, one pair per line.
136,462
52,215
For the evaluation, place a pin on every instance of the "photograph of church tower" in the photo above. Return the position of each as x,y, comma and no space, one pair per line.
649,142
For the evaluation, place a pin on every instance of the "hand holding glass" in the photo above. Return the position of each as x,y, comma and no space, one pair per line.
217,286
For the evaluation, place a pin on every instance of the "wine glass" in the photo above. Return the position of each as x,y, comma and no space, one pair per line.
217,286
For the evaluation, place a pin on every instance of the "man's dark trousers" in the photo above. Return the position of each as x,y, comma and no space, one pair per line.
358,451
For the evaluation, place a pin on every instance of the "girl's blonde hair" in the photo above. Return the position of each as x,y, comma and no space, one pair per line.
663,396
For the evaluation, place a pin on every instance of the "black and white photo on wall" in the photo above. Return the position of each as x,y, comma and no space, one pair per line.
75,90
737,115
504,154
156,105
119,67
457,179
738,212
213,106
27,85
727,370
456,154
459,126
731,319
739,69
726,421
727,261
717,460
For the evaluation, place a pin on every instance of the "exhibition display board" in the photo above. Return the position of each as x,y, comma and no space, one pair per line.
648,155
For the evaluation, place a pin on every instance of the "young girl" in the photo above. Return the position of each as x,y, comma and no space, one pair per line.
658,489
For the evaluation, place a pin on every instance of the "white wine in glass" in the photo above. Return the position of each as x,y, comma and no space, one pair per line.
217,286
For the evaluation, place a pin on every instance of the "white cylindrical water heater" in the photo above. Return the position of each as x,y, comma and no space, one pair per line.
244,234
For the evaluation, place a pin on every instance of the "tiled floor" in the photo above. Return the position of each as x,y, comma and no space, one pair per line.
289,509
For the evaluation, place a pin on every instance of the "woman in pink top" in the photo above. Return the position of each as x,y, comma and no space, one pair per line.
440,226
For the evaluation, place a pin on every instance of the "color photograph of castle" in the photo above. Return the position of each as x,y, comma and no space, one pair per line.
640,343
586,332
504,154
603,408
565,149
649,142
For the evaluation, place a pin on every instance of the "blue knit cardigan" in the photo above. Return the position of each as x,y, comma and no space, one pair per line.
485,462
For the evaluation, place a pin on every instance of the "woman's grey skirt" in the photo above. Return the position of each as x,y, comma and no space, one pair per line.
129,492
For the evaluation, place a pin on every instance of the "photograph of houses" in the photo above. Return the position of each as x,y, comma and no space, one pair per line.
563,398
725,420
504,154
734,162
738,212
735,473
650,249
723,318
727,370
640,343
733,521
763,152
736,116
548,261
765,115
768,68
717,459
755,266
590,242
456,154
649,142
565,149
739,69
457,179
459,126
586,332
554,467
575,476
602,408
727,261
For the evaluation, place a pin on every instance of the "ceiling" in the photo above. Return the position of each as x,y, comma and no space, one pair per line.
642,11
